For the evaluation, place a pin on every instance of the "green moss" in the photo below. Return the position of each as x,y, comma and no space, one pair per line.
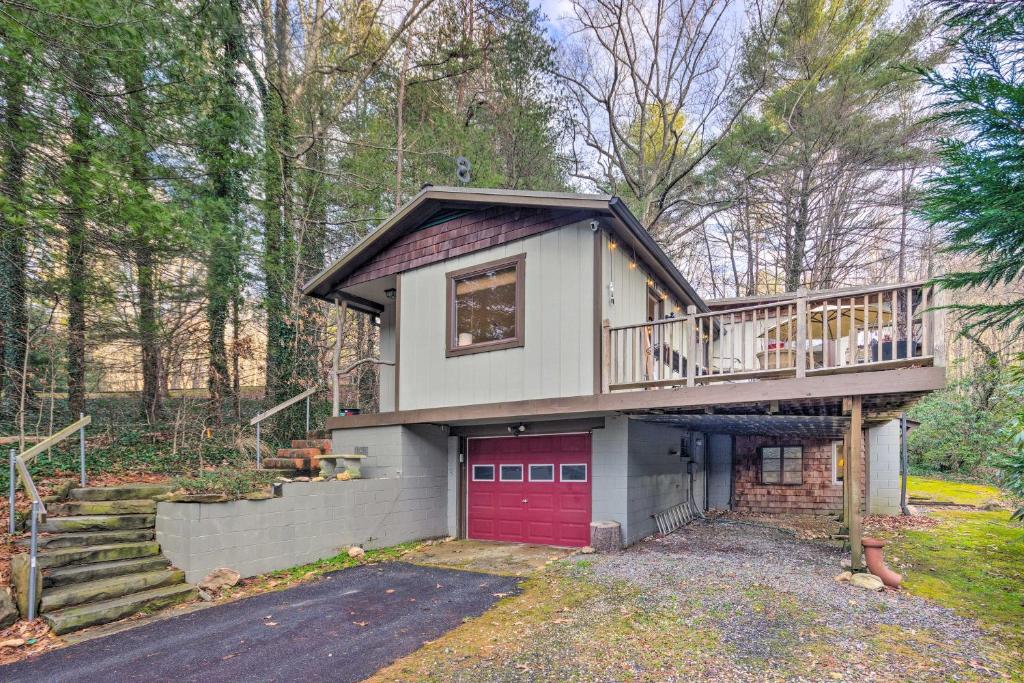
287,577
944,491
233,483
973,562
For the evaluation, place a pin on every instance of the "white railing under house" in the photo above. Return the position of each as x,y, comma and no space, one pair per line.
805,334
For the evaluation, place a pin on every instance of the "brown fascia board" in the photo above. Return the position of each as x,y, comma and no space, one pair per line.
427,201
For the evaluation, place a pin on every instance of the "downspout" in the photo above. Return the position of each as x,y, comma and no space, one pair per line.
904,464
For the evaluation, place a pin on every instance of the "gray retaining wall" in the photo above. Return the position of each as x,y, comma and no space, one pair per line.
311,521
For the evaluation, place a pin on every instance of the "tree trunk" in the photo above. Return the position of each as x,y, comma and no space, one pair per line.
149,332
77,251
13,315
798,245
278,240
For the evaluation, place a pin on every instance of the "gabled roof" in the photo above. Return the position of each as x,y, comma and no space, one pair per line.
433,199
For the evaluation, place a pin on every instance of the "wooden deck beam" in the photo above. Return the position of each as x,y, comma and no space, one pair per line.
887,382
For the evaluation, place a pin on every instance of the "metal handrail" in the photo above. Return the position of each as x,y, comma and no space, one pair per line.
255,422
20,462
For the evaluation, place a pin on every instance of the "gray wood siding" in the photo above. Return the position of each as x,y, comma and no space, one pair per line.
557,357
630,286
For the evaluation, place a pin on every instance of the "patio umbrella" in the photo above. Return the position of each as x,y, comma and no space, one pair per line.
831,322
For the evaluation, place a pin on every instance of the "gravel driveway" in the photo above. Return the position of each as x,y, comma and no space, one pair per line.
767,595
719,600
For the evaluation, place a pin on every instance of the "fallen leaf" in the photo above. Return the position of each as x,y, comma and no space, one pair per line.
270,623
360,623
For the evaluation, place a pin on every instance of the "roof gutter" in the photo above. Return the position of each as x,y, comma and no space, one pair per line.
626,217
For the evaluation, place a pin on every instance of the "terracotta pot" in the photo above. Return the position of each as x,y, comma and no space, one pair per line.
876,564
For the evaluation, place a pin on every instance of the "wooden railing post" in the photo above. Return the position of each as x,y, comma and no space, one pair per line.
801,332
606,354
694,341
340,309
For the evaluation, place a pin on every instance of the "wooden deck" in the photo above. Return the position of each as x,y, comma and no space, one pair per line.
883,391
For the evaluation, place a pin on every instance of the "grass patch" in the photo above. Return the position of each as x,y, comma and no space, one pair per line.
945,491
973,562
285,578
563,626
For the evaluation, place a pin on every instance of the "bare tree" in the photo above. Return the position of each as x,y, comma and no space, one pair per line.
649,84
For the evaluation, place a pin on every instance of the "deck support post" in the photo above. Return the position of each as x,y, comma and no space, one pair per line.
340,309
693,341
853,457
606,355
801,332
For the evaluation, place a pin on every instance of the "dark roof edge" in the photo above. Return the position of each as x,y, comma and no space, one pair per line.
622,212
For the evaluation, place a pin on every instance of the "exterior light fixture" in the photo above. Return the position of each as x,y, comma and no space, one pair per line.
390,293
516,430
612,246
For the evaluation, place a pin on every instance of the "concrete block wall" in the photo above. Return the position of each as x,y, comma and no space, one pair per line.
402,497
884,469
656,478
608,471
311,521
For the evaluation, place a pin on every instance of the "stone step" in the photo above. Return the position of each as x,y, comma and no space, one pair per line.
322,445
77,573
78,617
98,523
82,539
102,507
126,492
107,589
288,472
62,557
287,463
298,452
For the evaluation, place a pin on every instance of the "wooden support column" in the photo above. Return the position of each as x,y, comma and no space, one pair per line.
801,332
340,308
853,457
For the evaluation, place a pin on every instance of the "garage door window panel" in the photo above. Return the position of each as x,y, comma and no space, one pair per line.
575,472
542,473
511,472
483,472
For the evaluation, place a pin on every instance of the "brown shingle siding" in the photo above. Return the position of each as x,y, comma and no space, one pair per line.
475,231
816,495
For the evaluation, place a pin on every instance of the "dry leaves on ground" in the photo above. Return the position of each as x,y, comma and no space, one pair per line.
25,638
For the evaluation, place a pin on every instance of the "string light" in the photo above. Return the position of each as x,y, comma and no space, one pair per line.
612,245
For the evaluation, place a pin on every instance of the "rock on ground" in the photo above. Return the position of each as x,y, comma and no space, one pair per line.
219,579
8,610
356,551
867,581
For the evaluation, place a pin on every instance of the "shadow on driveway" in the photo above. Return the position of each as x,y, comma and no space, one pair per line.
343,627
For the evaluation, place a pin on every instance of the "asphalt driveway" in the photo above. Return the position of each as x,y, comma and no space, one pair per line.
343,627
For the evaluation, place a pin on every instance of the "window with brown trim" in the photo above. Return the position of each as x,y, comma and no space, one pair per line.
782,465
485,306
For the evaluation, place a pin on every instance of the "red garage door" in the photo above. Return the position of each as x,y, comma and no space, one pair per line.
530,489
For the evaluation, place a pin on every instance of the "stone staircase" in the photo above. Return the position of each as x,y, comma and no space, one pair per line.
99,561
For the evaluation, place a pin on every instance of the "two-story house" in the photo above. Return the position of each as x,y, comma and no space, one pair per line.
544,365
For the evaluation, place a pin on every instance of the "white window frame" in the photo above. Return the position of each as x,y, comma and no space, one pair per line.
494,473
501,475
586,470
836,481
541,464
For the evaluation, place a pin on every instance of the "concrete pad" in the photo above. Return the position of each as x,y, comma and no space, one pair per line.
508,559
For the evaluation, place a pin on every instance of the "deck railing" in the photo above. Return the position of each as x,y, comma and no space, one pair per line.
807,334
